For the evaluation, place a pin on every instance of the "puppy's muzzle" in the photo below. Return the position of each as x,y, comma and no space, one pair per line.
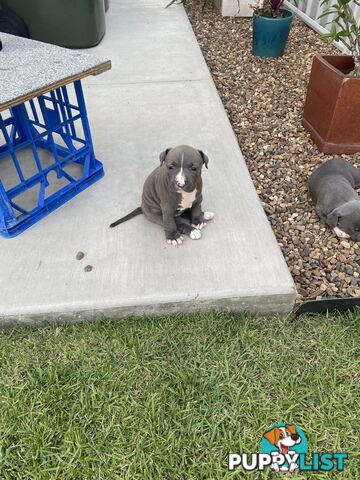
181,184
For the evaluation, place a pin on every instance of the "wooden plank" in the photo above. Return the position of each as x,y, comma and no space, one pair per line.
29,68
103,67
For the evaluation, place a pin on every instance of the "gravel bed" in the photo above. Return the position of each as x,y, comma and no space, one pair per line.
264,100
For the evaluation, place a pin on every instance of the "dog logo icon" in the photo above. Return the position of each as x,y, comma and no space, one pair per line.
284,442
284,448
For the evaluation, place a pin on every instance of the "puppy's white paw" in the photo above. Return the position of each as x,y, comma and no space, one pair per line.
209,215
176,242
195,234
199,226
339,233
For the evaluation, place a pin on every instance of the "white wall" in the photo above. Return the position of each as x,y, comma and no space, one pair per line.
235,8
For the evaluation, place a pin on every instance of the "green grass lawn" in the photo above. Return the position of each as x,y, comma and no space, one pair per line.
168,398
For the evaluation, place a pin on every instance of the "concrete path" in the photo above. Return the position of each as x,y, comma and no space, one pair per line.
159,94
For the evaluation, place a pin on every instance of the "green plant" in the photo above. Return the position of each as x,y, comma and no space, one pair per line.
345,28
271,8
268,8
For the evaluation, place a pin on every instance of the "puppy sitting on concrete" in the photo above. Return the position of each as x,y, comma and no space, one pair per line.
331,187
172,195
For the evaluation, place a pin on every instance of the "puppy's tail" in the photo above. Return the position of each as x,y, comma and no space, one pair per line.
130,215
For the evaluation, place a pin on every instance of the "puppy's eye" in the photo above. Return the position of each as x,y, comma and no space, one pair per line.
170,167
193,169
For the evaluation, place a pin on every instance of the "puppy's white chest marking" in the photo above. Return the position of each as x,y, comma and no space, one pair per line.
187,199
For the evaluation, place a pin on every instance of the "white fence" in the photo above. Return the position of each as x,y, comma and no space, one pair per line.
310,10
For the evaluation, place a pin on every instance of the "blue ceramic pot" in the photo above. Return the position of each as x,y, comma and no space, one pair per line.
270,34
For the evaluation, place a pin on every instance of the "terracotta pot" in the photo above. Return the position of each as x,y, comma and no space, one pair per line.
332,107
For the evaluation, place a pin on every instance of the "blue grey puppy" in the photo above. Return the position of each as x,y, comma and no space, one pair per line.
172,195
331,187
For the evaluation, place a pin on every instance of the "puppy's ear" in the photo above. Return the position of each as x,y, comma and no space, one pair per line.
291,428
205,158
334,217
272,436
163,155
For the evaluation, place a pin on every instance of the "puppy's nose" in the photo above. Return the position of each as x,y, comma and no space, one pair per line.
181,183
295,436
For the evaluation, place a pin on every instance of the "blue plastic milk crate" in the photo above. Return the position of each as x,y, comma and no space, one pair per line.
46,157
